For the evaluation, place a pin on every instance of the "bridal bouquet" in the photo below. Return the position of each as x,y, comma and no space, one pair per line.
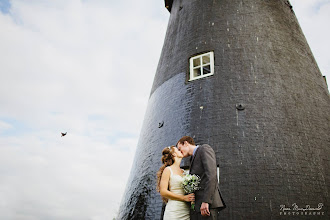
190,185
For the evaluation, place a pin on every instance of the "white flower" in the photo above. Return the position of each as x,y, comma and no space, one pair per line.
190,183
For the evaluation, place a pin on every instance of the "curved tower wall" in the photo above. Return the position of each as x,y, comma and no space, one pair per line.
273,152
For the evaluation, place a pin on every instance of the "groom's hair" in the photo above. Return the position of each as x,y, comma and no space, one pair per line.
190,140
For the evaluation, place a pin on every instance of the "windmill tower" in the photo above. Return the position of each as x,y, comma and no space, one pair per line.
240,76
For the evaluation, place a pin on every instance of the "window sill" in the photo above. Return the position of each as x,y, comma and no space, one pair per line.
200,77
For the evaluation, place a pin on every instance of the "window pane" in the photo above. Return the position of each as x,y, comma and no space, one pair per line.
206,59
197,72
201,65
206,69
197,62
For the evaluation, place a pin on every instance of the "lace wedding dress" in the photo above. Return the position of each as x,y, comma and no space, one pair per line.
176,210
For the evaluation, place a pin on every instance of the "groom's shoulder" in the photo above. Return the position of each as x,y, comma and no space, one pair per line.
207,147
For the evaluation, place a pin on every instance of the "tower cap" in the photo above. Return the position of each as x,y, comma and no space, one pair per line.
168,4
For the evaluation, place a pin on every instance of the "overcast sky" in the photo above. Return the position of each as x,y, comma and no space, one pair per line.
85,67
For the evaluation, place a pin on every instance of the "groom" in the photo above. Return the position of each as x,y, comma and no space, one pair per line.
203,163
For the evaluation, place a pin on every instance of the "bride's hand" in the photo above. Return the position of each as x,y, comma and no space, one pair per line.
189,197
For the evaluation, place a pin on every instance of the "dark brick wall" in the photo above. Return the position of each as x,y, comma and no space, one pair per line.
275,151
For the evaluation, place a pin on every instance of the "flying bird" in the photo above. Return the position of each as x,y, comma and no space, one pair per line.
63,134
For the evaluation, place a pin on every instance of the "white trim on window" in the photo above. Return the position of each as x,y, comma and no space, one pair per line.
201,66
218,173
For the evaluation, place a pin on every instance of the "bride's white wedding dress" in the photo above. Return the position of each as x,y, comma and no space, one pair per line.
176,210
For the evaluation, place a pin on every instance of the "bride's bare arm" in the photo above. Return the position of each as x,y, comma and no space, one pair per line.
168,194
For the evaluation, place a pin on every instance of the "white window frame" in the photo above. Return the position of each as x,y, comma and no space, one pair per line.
200,56
218,173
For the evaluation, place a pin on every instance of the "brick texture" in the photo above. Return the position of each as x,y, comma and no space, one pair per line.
274,152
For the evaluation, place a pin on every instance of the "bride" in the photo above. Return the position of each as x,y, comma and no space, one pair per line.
169,179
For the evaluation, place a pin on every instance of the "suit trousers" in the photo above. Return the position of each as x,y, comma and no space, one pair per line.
194,215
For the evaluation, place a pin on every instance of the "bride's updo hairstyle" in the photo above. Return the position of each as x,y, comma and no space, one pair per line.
167,160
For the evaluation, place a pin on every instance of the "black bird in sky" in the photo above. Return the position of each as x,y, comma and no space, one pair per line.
63,134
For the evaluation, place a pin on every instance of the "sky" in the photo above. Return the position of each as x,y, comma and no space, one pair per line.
86,67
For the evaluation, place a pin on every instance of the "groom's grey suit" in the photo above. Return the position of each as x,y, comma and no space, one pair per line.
203,164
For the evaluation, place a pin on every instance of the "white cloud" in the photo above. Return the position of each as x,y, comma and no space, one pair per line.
314,17
70,178
4,126
85,67
79,59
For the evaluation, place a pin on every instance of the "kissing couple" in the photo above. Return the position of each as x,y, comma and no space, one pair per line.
207,199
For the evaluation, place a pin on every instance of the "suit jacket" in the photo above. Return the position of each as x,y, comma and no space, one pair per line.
203,164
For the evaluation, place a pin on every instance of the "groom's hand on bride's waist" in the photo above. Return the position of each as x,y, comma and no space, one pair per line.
205,209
